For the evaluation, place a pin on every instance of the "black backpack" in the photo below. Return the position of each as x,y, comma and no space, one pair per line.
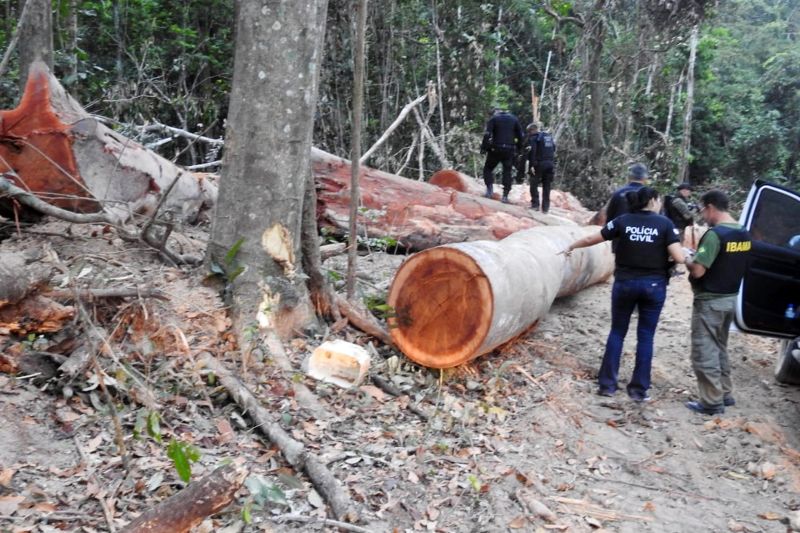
545,147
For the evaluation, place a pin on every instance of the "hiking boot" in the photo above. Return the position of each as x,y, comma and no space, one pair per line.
698,407
535,207
489,191
605,392
729,401
505,199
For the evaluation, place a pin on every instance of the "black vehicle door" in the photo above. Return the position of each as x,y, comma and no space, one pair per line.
769,296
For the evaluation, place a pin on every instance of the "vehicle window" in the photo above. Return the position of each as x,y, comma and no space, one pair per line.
776,219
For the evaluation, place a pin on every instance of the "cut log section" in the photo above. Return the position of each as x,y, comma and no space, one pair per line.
456,302
189,507
50,146
562,204
416,214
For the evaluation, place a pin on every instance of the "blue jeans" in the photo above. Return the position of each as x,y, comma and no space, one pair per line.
648,295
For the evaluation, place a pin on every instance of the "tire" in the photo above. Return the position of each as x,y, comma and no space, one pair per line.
787,368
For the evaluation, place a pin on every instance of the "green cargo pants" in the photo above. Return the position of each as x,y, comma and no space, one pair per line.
711,321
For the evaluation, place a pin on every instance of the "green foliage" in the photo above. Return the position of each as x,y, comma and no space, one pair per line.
379,307
183,455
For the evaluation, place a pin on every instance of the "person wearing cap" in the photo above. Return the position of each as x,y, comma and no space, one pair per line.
618,205
501,140
676,208
541,156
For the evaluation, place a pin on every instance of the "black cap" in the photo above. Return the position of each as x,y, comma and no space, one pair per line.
685,186
638,171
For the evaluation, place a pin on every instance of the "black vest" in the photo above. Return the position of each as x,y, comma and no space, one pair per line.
725,273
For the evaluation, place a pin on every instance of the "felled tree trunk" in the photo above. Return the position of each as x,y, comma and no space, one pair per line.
416,214
562,204
189,507
51,146
456,302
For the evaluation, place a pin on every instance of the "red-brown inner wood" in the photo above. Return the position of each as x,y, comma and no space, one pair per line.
443,305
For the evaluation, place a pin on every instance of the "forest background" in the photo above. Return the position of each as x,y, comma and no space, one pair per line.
614,79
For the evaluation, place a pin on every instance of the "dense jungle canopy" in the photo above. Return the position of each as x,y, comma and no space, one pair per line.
613,78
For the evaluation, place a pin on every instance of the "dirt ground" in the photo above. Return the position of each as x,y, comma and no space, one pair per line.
516,441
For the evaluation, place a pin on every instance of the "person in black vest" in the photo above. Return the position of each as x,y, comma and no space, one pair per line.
616,205
676,208
502,138
646,242
715,273
542,165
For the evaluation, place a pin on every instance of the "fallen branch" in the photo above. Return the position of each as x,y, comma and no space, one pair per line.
389,388
327,251
313,520
97,294
189,507
363,321
9,189
393,126
294,452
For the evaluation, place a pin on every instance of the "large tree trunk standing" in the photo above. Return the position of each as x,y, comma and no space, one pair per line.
35,37
686,145
267,160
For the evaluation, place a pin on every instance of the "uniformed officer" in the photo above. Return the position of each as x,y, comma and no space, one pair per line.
542,165
715,273
502,138
646,241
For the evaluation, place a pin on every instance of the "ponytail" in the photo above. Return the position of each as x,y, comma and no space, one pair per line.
639,198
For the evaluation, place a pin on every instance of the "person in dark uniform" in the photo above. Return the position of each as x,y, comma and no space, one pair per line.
542,165
616,205
715,273
676,208
646,242
502,138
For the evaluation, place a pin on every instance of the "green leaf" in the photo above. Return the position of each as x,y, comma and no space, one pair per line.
247,517
229,257
474,483
183,455
211,379
216,269
287,418
153,426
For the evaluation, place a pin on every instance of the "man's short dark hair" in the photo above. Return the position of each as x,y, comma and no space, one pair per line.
684,186
638,171
716,198
532,126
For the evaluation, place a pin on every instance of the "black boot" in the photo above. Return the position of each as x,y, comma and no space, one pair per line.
489,191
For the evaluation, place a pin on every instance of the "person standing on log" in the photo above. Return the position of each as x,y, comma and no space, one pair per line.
542,165
646,242
715,273
502,138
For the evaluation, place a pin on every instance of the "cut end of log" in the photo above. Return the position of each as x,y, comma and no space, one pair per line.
442,300
450,179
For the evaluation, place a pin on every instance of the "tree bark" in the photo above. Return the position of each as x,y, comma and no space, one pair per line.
596,26
456,302
686,145
260,205
189,507
35,38
415,214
